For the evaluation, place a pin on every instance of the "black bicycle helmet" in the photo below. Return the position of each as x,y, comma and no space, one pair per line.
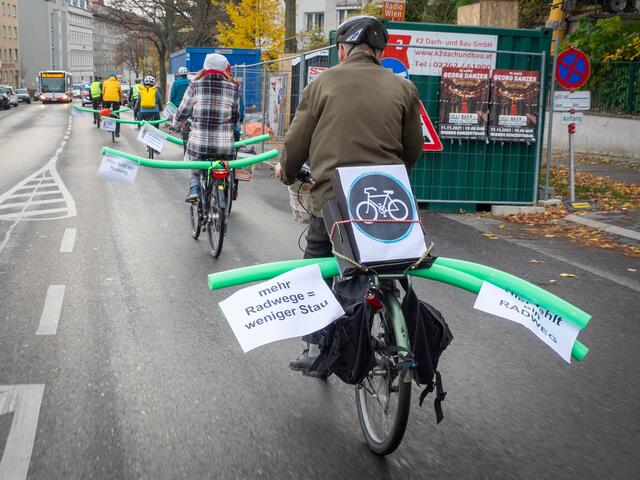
363,29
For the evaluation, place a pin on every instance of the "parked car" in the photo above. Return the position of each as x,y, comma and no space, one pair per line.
4,99
13,96
86,96
76,90
23,95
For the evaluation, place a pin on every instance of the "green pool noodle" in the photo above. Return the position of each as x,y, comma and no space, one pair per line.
90,110
521,287
329,268
246,141
179,165
140,122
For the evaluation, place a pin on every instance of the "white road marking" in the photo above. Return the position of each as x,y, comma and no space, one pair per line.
25,194
24,402
51,311
68,240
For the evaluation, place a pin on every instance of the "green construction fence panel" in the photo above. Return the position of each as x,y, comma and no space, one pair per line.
472,172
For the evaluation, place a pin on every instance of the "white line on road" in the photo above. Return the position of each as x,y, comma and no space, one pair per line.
24,402
51,311
68,240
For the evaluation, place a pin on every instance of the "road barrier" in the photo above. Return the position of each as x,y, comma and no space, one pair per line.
466,275
179,165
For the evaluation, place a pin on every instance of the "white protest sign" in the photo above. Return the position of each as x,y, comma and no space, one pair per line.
75,112
108,124
118,169
152,137
385,216
290,305
549,327
169,111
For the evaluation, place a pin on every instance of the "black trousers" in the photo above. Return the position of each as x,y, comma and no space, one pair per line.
318,246
113,106
96,104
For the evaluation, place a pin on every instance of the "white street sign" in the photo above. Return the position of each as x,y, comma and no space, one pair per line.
108,124
563,101
549,327
152,137
569,118
116,169
290,305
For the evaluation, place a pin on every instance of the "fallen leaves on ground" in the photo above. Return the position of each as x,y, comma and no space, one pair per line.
632,269
533,260
567,275
608,194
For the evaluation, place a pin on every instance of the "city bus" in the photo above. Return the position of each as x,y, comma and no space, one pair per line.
55,86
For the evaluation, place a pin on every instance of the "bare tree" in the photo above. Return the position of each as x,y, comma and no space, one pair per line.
132,52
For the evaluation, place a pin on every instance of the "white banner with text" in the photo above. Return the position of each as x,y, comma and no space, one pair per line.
549,327
290,305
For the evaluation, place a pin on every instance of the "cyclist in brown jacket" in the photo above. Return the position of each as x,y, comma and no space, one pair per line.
355,114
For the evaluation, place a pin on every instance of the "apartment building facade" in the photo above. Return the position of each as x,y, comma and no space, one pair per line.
9,53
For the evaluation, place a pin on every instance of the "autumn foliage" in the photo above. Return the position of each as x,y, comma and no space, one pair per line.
254,24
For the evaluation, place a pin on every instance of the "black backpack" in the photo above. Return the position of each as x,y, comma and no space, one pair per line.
346,348
429,336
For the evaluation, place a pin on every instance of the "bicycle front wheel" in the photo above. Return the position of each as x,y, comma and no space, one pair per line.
216,223
383,398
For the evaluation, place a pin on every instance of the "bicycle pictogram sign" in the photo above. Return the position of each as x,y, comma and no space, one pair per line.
573,68
381,204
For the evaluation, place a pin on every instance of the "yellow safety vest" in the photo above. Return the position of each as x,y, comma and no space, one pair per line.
135,90
96,89
147,97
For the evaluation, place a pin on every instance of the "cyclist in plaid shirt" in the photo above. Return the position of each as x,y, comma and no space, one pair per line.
212,102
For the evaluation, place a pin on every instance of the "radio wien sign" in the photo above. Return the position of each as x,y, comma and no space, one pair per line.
394,10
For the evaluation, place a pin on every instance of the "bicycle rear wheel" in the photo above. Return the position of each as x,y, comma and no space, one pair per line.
216,222
231,190
383,398
196,219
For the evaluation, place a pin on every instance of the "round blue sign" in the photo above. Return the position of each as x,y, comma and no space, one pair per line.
396,66
383,207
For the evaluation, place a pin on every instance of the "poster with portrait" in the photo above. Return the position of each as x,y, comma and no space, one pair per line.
464,103
276,102
515,100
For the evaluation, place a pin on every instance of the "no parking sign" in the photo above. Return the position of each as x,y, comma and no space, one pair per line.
573,68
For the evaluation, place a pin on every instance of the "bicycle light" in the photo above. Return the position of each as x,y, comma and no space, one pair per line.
373,300
220,173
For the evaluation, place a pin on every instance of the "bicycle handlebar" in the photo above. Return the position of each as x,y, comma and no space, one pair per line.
466,275
178,165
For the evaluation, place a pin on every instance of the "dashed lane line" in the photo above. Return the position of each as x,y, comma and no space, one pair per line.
68,240
24,402
51,311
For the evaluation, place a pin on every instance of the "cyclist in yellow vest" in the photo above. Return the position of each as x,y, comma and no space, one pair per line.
95,90
135,94
112,95
149,103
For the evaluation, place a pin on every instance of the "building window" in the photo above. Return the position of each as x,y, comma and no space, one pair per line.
343,13
314,21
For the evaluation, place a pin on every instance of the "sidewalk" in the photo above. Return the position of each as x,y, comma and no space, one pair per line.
620,223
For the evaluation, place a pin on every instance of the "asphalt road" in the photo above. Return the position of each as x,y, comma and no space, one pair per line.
144,379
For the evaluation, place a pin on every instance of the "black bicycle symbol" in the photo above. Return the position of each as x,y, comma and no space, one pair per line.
381,204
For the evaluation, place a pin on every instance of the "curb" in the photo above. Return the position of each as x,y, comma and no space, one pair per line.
622,232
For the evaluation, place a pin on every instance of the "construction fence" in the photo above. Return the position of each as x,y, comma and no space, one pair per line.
486,105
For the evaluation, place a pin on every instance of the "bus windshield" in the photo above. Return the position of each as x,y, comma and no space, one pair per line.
52,85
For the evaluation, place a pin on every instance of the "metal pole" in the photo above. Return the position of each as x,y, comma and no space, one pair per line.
301,78
265,102
541,110
552,91
572,185
244,99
